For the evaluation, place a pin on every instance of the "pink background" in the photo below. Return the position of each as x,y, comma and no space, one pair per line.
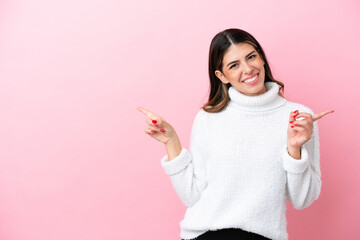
75,162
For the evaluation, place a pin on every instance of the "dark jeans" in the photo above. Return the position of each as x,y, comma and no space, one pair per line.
230,234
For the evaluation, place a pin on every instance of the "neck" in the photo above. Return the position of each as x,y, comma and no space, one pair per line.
263,90
267,100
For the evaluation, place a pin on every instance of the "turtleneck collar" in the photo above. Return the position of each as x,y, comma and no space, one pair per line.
266,101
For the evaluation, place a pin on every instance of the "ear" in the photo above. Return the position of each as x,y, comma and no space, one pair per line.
221,76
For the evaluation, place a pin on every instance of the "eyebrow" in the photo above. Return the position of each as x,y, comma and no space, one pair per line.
238,60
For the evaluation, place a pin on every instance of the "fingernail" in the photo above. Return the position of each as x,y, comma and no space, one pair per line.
152,131
156,125
291,121
292,126
154,121
295,111
162,130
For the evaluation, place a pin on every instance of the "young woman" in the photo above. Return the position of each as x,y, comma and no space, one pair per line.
250,149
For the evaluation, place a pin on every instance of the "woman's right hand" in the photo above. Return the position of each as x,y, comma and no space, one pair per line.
158,128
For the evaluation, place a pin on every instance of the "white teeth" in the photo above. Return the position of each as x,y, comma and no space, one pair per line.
251,79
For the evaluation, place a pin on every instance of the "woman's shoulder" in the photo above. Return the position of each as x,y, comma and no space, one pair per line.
201,115
203,118
298,106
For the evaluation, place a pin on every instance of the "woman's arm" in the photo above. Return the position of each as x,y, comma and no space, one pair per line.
173,148
303,175
186,169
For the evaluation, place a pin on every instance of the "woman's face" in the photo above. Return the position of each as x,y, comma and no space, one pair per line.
241,62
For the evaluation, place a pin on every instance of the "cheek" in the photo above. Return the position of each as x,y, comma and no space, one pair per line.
262,68
260,64
234,73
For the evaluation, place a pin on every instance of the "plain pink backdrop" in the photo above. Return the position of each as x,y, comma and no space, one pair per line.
75,162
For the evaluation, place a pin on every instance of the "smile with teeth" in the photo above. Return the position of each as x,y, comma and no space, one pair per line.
251,79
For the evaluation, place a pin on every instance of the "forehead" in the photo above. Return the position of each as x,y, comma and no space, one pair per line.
237,51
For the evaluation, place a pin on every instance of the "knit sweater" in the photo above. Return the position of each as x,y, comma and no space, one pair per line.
238,172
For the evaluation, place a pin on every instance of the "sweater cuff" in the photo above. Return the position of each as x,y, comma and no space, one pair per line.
293,165
176,164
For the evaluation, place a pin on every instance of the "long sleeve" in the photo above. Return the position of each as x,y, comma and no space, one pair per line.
304,176
187,171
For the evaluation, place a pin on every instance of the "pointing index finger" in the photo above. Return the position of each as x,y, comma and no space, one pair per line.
320,115
147,112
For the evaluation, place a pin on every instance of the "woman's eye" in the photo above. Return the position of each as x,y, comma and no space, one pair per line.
254,55
233,65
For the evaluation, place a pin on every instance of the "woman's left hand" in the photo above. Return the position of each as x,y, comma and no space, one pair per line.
303,129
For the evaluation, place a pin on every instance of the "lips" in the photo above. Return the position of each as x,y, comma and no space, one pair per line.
250,77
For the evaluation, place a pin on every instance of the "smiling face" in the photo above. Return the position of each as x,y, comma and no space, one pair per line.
241,61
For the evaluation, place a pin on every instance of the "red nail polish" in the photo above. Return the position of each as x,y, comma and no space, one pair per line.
296,111
154,121
156,125
162,130
152,131
292,126
291,121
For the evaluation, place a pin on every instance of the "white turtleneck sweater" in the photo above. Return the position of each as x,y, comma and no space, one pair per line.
238,172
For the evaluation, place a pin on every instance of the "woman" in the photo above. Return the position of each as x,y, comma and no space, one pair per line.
250,149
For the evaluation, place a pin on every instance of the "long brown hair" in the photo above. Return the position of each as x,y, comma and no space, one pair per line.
219,97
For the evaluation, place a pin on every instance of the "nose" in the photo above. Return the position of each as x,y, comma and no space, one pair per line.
247,69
